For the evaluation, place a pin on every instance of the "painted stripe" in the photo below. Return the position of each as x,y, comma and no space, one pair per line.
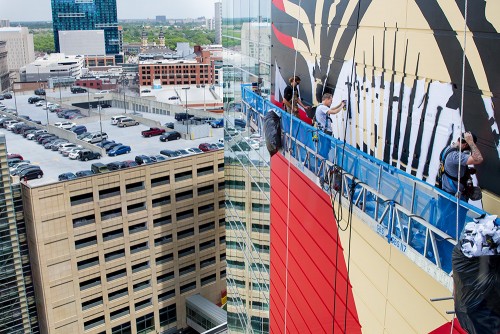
284,39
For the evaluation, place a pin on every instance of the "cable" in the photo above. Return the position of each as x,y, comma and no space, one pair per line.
289,177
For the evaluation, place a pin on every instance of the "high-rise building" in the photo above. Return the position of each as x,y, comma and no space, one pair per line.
218,22
87,15
161,18
4,23
4,67
17,298
120,252
20,47
247,173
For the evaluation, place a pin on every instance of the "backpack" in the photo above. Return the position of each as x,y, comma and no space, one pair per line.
441,170
311,113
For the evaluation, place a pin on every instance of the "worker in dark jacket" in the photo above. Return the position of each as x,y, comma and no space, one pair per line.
291,97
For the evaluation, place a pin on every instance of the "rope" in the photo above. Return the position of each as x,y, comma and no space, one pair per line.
289,176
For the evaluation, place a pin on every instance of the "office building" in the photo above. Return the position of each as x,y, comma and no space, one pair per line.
218,22
87,15
17,298
53,65
4,23
120,252
161,18
20,47
4,67
82,42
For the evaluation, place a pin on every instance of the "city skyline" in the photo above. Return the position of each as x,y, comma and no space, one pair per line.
127,9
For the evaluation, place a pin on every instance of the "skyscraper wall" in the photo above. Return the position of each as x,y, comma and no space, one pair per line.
218,23
87,15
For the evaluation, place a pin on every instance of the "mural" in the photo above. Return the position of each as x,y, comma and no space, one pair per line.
399,64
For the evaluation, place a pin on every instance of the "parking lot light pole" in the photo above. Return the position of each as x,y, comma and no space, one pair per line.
204,100
15,99
186,111
99,98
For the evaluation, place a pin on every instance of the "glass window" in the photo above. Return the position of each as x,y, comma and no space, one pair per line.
114,255
84,264
168,315
188,287
91,303
82,221
118,294
86,242
165,277
119,313
162,221
145,324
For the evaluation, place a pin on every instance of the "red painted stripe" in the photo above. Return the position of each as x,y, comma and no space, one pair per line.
279,4
312,246
284,39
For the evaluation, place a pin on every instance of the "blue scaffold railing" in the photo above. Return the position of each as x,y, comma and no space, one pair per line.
413,215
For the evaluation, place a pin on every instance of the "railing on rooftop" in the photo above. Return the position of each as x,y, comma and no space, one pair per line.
414,216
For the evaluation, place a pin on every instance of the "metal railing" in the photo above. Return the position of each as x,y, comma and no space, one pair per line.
414,216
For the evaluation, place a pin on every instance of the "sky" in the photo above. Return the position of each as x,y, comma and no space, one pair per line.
39,10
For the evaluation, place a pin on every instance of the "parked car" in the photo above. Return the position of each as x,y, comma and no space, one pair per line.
206,147
64,125
105,105
219,123
142,159
152,132
95,137
48,144
240,123
203,119
169,125
181,116
79,129
86,155
171,135
77,89
35,99
6,124
169,153
157,158
13,161
7,95
241,146
31,173
110,145
99,167
83,173
173,98
114,148
23,168
66,176
194,150
18,165
31,136
66,152
115,165
183,152
40,91
232,132
83,135
124,122
129,163
14,155
104,143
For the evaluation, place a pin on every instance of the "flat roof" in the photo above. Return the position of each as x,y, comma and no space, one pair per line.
208,309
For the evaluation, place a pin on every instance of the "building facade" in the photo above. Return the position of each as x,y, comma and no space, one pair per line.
247,173
120,252
87,15
4,23
218,22
82,42
17,297
20,47
51,66
4,67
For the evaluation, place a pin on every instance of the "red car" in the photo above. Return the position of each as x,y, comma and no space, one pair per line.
206,147
14,155
152,132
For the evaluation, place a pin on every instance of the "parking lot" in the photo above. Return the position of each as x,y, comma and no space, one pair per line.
52,163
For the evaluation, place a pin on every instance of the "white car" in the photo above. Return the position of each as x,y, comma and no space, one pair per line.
255,144
74,154
40,103
64,125
31,136
194,150
232,131
11,125
19,164
67,150
66,146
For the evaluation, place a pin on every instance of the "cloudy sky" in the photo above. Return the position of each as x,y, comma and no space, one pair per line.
39,10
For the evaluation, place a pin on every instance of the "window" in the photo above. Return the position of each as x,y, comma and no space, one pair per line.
166,295
137,228
139,247
142,285
205,170
233,184
222,204
90,283
159,181
136,207
82,221
260,306
183,176
221,167
206,227
208,279
116,275
119,313
261,248
260,207
145,324
260,325
222,257
122,329
205,208
188,287
257,266
165,277
207,244
222,240
114,255
86,242
140,267
168,315
205,190
238,205
163,240
91,303
165,200
111,192
262,185
236,264
164,258
207,262
221,186
143,304
110,214
81,199
185,233
186,251
260,228
223,273
185,214
162,221
84,264
118,294
184,195
136,186
187,269
112,235
93,323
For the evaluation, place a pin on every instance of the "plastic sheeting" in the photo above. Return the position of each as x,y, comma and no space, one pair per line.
272,131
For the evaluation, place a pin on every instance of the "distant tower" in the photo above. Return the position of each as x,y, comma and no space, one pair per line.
162,37
218,23
144,37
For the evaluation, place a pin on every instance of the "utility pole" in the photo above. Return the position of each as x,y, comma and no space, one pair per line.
99,98
186,110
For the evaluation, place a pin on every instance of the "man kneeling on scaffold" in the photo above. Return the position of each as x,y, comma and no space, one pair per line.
324,110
